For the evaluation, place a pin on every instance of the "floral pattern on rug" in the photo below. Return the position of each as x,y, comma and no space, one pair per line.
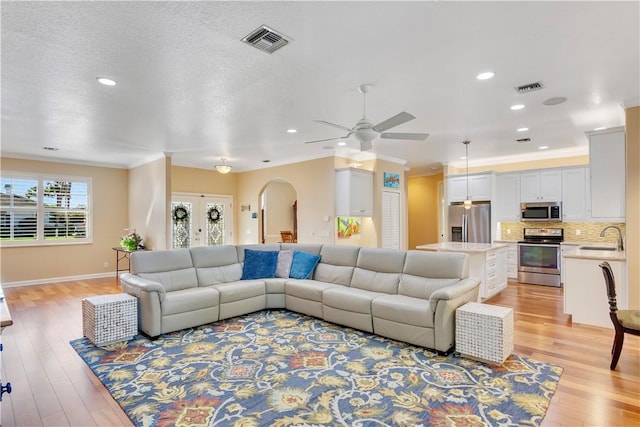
278,368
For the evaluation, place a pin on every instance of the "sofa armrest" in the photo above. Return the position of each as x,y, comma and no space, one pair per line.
457,290
444,303
150,294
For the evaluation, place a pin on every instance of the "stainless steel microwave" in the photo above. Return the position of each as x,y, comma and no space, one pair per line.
541,211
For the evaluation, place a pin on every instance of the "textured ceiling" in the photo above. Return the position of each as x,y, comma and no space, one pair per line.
187,85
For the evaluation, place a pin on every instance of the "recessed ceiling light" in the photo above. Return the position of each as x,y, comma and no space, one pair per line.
485,76
543,147
50,148
292,130
266,161
342,143
555,101
105,81
600,128
463,158
517,107
522,129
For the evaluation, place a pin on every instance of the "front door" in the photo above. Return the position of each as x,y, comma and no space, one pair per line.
200,220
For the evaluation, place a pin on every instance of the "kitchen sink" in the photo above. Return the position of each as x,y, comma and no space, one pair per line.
598,248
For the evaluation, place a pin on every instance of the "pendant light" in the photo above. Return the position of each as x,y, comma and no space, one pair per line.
467,201
224,167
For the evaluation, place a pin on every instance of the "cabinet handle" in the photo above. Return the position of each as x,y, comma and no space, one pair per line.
4,389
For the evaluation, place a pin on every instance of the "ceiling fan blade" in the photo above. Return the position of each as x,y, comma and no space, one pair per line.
327,139
394,121
333,125
409,136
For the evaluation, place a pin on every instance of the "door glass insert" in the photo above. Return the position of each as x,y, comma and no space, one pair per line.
181,214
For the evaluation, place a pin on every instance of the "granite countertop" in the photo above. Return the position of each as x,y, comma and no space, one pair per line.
462,247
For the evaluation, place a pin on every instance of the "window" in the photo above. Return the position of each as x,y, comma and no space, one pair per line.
38,209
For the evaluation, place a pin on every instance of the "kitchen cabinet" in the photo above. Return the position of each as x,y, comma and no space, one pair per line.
575,194
354,192
487,262
479,187
541,186
607,170
512,260
565,248
507,198
585,294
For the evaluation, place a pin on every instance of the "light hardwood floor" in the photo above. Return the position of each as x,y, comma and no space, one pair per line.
53,386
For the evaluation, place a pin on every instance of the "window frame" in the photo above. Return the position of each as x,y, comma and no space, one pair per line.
42,211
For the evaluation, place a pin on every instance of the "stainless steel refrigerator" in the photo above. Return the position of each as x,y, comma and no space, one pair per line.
470,225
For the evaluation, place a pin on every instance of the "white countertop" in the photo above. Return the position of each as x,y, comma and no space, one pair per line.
462,247
597,255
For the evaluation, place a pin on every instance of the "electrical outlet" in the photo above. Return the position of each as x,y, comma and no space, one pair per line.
578,232
508,231
106,265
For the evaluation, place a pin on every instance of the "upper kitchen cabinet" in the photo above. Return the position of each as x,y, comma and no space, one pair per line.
507,199
541,186
354,192
607,169
479,187
575,194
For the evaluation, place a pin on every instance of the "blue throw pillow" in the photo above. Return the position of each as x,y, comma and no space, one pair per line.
259,264
303,265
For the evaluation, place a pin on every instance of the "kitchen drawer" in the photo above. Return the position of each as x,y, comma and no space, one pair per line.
491,266
512,257
512,271
491,255
492,281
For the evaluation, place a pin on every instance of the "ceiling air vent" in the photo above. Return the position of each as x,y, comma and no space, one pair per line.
266,39
529,88
521,140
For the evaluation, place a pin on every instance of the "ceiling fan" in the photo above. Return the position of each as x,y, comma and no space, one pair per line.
366,132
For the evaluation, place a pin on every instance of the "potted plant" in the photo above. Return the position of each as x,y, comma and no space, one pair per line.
131,241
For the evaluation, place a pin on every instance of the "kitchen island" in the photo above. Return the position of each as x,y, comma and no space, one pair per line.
487,262
585,293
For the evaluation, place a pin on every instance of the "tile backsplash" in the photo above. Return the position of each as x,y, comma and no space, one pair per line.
573,231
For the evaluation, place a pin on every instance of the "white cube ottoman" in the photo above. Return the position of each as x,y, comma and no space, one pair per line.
110,318
484,332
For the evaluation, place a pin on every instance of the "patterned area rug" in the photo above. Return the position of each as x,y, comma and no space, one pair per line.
277,368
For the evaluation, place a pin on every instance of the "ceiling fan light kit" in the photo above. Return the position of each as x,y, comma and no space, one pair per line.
365,131
224,167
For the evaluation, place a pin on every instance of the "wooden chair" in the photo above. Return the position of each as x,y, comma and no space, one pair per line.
287,237
624,321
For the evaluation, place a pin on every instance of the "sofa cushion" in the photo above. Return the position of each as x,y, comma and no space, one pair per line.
283,266
187,300
381,260
422,287
303,264
241,290
214,256
307,289
349,299
373,281
337,264
403,309
259,264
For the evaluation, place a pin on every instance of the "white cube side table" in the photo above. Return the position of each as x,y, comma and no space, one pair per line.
484,332
109,318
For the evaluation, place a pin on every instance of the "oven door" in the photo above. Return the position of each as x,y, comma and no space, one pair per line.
539,258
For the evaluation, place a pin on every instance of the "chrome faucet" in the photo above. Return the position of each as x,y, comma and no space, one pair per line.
620,245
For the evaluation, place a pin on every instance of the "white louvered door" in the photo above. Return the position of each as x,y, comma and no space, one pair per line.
391,220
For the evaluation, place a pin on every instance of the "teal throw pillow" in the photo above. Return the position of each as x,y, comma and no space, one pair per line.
259,264
303,264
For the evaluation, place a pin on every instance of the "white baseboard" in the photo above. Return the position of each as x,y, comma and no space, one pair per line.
57,279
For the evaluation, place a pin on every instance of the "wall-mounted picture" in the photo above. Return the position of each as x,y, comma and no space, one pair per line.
348,227
391,180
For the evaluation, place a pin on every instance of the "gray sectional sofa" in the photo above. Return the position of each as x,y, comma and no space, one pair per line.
410,295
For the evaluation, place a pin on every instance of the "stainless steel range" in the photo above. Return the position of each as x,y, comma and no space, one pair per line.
539,256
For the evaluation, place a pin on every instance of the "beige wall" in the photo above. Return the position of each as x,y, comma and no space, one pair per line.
633,205
202,181
423,207
40,264
279,198
149,197
314,183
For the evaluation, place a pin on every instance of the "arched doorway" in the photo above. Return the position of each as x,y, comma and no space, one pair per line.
278,211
